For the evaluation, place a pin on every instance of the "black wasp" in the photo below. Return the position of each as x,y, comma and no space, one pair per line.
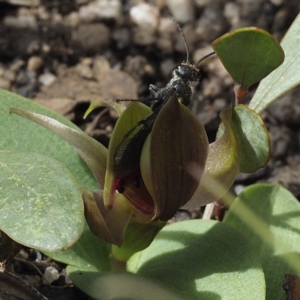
127,154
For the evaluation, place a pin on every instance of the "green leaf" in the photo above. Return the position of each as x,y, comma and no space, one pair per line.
92,152
202,260
248,54
269,216
120,286
89,253
17,133
36,209
88,265
254,140
286,76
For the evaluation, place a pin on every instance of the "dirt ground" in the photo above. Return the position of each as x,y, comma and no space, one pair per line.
65,54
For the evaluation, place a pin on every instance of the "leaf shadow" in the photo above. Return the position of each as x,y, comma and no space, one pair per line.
199,256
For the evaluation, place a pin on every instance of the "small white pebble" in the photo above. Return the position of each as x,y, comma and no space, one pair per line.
20,22
46,48
86,61
219,104
50,275
101,9
84,71
166,26
43,13
47,79
164,43
67,278
101,66
143,36
145,16
22,254
276,2
110,9
182,10
38,255
73,19
34,63
16,65
231,12
238,188
202,3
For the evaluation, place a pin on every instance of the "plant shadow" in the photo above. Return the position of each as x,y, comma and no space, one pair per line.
190,257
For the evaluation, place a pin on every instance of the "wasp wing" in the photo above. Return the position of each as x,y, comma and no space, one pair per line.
128,153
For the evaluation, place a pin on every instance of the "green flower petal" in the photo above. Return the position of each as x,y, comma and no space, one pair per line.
128,120
109,225
106,103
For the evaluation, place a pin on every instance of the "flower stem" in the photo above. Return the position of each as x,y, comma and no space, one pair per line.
117,265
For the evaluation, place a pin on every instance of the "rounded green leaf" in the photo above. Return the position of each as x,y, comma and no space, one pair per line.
269,216
286,76
40,202
202,260
248,54
253,138
20,134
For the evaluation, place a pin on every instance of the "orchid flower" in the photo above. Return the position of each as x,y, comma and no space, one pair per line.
174,158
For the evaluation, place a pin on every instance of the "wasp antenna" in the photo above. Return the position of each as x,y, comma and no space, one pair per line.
204,57
184,39
185,42
126,100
